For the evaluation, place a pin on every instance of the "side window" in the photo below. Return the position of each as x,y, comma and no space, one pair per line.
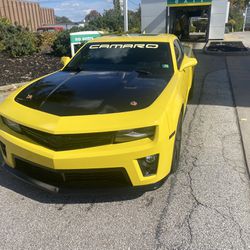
178,53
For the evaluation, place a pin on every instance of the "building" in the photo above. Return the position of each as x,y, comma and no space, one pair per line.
189,19
26,14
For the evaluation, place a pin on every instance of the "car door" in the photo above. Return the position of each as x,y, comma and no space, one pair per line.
184,74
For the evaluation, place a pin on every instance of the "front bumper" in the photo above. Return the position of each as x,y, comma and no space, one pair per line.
103,158
64,189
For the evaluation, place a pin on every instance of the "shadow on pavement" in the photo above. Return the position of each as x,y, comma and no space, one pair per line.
237,69
73,197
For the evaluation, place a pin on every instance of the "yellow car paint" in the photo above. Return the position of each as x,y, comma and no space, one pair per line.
164,113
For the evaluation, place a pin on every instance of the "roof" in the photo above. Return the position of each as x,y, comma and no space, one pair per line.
136,38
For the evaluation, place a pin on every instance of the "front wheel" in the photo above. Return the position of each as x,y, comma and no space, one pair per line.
177,146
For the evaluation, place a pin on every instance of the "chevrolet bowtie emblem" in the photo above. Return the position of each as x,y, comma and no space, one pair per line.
29,97
133,103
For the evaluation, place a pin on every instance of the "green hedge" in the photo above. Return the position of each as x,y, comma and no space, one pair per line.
46,40
17,41
61,45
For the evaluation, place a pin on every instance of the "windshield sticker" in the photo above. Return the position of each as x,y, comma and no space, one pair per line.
125,46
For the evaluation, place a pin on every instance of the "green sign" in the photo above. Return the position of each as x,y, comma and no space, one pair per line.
189,1
79,38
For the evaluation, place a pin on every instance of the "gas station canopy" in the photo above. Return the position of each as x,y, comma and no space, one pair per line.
188,2
170,16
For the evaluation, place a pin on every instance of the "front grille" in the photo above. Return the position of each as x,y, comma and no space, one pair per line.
110,177
70,141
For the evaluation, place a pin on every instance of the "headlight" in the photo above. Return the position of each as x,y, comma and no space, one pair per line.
134,134
12,125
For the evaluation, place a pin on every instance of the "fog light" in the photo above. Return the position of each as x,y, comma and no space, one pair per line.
149,164
151,159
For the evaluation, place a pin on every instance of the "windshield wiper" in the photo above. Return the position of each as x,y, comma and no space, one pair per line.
74,69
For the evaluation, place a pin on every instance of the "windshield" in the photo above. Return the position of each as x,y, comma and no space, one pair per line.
145,58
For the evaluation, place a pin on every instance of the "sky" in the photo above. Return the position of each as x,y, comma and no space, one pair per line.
76,10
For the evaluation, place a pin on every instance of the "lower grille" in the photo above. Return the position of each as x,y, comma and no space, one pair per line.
111,177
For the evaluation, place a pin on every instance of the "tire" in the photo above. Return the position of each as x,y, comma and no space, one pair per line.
177,146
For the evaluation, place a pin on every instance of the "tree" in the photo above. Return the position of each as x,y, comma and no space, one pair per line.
112,21
241,4
236,18
92,16
62,19
96,24
117,6
232,23
134,18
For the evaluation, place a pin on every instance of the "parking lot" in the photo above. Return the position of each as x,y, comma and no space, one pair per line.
205,205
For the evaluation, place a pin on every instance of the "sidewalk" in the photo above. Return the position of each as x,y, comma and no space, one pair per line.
239,72
239,36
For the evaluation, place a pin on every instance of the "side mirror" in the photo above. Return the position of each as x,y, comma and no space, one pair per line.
188,62
65,60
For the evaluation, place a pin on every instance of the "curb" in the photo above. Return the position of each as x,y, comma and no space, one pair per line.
11,87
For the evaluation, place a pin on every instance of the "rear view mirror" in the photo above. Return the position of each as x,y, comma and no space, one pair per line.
65,60
188,62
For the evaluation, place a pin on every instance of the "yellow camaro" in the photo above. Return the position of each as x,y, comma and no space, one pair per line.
111,116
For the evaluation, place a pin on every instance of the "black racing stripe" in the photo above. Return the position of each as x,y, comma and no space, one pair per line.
93,92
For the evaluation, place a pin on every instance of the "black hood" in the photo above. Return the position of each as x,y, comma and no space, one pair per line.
93,92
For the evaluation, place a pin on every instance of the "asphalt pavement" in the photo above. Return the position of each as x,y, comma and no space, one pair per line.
239,72
205,205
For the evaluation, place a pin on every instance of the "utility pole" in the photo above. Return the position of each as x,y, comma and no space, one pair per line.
125,15
245,19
